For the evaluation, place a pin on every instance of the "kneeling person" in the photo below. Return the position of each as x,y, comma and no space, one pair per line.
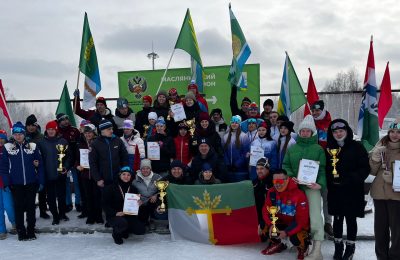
293,218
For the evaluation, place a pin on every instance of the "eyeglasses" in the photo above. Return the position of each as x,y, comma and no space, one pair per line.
338,125
279,181
394,125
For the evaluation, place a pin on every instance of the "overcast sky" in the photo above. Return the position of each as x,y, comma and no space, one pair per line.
41,39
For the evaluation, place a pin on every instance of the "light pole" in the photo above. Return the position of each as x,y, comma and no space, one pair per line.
152,55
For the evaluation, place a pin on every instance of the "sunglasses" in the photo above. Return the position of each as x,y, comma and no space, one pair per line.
338,125
252,120
279,181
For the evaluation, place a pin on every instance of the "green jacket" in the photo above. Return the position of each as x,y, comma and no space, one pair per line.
305,148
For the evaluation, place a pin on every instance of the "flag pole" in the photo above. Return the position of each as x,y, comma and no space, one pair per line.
5,105
77,87
165,72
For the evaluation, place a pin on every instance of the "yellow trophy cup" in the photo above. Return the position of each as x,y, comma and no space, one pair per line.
192,125
335,160
162,186
273,210
146,128
61,154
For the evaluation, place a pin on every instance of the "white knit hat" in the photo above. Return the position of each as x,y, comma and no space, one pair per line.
308,123
152,115
145,163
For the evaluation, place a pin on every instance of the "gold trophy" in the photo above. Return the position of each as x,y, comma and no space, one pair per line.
273,210
146,127
170,104
162,186
192,125
334,153
61,154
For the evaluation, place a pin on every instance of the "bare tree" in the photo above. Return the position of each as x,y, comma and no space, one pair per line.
344,81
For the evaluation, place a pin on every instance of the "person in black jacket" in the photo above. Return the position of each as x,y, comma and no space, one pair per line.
55,180
243,111
167,149
113,204
107,156
345,192
205,128
178,174
261,185
207,155
142,115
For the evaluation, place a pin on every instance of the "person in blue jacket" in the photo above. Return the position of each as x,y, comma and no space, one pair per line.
21,165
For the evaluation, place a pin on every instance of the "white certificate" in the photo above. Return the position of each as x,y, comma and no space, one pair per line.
153,151
131,204
84,158
396,176
257,152
179,112
308,171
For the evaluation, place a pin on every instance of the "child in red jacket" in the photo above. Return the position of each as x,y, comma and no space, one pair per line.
183,145
293,219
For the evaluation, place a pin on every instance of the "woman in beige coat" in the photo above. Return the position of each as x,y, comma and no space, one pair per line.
386,200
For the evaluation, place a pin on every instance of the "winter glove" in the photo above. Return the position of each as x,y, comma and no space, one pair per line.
76,93
40,187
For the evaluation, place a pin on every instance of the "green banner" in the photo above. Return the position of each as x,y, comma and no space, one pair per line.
133,85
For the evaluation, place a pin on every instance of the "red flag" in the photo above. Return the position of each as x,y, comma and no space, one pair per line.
312,94
3,105
385,98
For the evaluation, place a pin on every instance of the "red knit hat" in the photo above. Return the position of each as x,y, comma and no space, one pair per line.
148,99
52,125
204,116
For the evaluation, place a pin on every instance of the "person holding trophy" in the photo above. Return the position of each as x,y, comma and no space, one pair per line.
285,213
347,168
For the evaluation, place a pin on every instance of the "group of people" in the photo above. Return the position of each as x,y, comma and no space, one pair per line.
107,157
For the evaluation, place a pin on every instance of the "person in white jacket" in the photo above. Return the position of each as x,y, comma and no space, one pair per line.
134,145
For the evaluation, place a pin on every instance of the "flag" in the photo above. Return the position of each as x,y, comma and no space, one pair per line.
292,95
88,65
187,41
3,105
368,129
385,98
64,105
220,214
312,94
241,52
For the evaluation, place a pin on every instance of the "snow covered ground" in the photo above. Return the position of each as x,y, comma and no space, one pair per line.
150,246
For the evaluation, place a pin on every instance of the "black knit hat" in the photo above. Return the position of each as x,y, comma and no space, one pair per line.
289,125
177,163
268,102
318,105
31,120
61,116
282,118
246,100
101,100
216,111
203,141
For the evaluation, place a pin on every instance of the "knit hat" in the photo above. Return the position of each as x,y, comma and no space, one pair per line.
236,119
183,126
193,85
125,169
3,134
177,163
308,123
394,125
172,92
160,121
264,124
246,100
191,96
204,141
52,125
18,128
61,117
128,124
253,106
84,122
318,105
122,103
162,92
89,128
101,100
282,118
145,163
204,116
206,167
152,115
263,162
105,124
148,99
31,120
268,102
289,125
216,111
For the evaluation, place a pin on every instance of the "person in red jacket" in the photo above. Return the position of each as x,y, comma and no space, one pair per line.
293,219
183,145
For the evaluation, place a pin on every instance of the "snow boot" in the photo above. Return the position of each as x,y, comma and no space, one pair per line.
316,251
350,249
339,248
30,234
117,239
273,248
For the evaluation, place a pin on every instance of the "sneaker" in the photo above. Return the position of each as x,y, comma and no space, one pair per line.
117,239
328,229
274,248
3,236
44,215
